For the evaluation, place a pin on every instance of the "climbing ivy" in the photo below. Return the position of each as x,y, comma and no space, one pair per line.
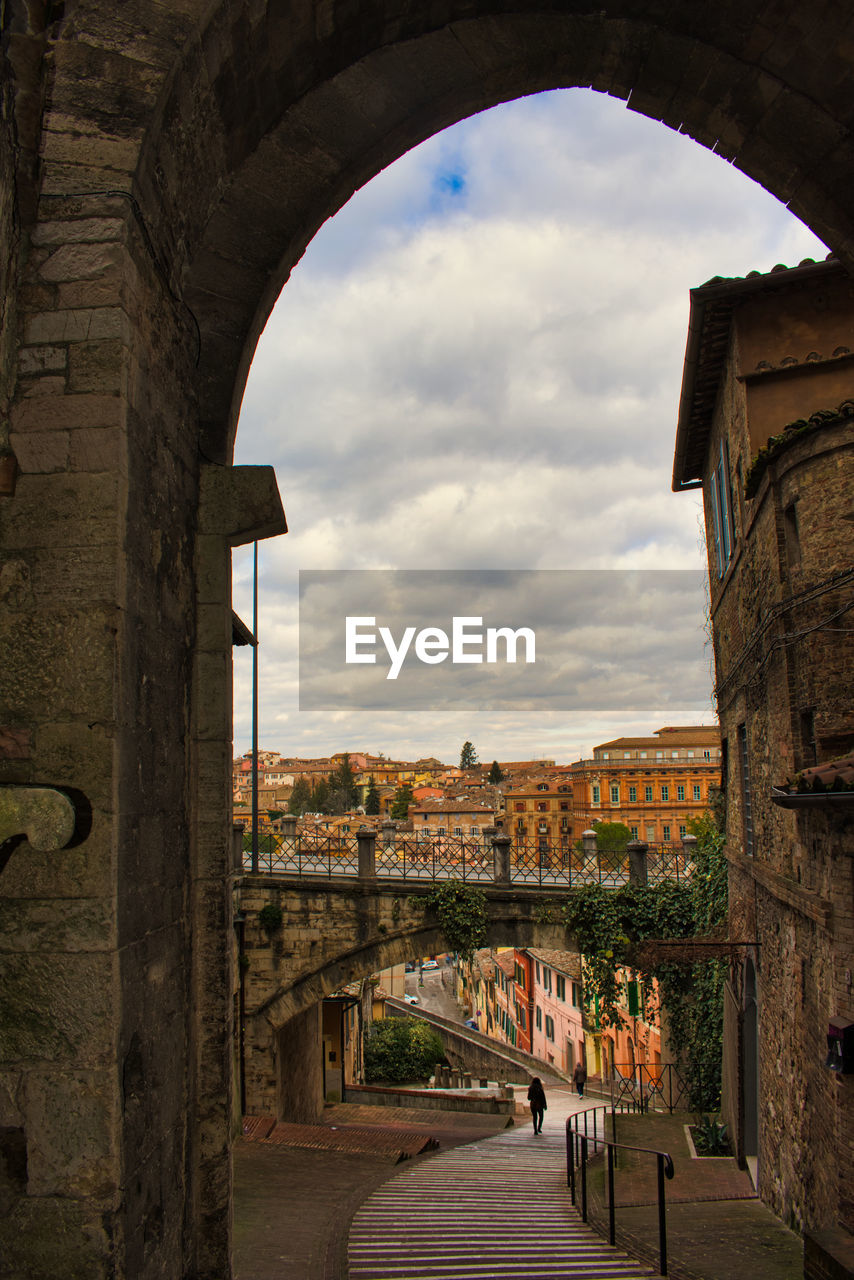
461,910
610,928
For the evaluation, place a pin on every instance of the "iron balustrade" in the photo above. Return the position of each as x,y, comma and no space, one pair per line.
641,1085
486,858
576,1154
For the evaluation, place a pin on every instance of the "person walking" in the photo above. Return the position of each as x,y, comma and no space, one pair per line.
579,1075
537,1099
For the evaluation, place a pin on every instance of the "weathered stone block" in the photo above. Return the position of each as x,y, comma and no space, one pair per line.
96,366
71,1148
32,360
57,1008
87,324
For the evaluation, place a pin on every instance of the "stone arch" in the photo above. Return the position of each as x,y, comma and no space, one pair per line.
285,990
313,113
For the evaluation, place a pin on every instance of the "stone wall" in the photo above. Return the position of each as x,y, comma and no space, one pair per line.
782,663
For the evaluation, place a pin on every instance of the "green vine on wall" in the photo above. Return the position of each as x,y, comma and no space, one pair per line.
611,928
462,915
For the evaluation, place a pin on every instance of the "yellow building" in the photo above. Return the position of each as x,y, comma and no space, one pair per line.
653,785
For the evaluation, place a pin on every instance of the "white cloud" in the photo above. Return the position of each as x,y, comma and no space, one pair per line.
477,364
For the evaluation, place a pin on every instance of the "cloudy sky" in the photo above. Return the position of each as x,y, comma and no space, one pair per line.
476,366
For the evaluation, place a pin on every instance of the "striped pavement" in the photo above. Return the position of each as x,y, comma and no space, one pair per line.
496,1209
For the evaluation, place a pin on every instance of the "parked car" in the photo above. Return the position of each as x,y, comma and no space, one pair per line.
411,999
430,964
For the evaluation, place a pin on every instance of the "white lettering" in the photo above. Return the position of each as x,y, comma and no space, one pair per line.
431,645
353,639
463,637
396,654
510,637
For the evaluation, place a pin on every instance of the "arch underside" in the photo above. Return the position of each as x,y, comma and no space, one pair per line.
245,168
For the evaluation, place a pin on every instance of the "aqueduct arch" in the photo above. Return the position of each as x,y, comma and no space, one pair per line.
319,951
161,169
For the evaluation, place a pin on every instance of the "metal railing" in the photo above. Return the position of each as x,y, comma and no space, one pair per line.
576,1154
489,858
643,1085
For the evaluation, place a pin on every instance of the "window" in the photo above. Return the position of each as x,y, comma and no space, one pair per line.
647,793
550,1028
474,831
595,793
458,831
665,832
537,967
520,825
696,791
520,806
564,804
665,792
542,786
633,794
659,755
560,985
576,995
683,830
440,831
690,755
606,755
680,793
707,755
539,1018
542,806
627,755
634,832
615,794
650,832
674,755
721,504
643,755
633,998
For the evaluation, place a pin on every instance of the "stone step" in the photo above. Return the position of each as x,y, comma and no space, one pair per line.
497,1209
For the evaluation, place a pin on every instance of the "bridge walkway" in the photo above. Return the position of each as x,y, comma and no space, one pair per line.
493,1210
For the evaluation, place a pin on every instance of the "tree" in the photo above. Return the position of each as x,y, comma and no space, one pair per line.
342,794
468,756
611,836
403,798
400,1049
372,799
496,773
300,798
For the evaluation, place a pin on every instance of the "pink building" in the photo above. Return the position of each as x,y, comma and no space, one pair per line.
558,1035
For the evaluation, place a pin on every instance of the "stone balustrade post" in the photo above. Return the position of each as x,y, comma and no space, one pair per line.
501,858
237,830
289,825
689,848
388,828
367,842
638,863
588,843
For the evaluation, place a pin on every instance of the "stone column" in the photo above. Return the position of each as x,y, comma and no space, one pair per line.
638,869
501,856
367,840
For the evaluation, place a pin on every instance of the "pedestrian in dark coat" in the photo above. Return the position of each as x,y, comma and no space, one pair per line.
579,1075
537,1099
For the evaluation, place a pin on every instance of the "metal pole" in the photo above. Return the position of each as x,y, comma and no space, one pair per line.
255,711
662,1217
583,1179
612,1226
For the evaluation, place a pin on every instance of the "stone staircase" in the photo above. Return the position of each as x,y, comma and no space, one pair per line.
494,1210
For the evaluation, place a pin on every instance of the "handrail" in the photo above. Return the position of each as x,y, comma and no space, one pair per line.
664,1165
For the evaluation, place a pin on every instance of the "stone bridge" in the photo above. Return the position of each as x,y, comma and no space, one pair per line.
317,949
